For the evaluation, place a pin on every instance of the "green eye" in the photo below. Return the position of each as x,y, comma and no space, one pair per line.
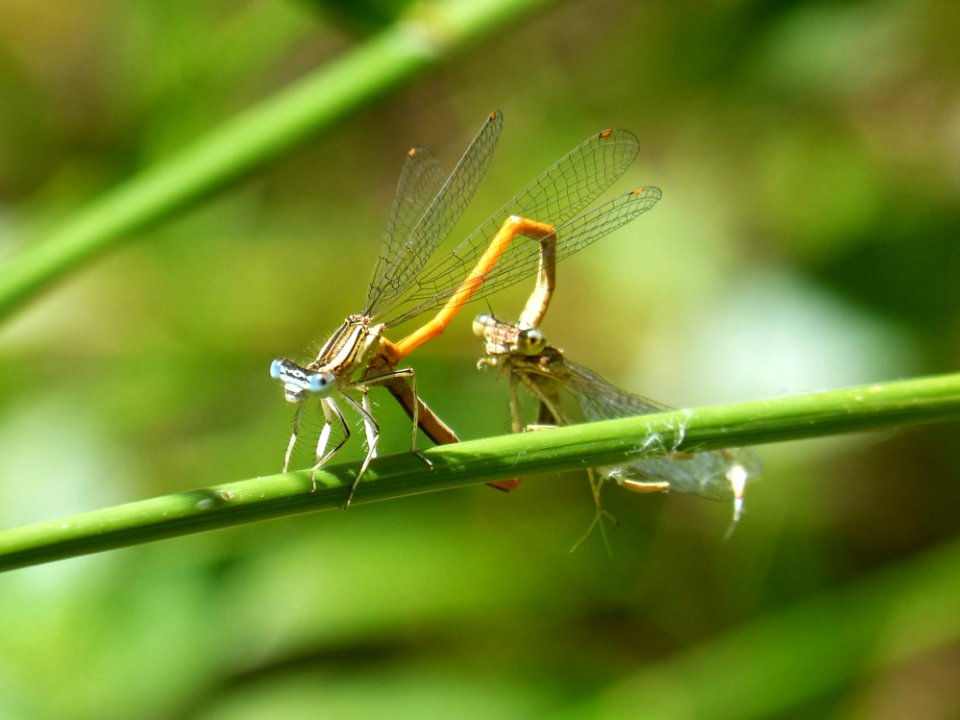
531,342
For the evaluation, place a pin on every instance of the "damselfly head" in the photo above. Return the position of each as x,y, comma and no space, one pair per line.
505,339
300,383
499,339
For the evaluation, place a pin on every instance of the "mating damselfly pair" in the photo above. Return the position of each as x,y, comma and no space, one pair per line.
543,223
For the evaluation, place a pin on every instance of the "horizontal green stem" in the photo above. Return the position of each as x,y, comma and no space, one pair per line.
247,141
604,443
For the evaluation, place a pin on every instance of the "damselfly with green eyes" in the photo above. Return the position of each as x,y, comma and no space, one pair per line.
548,376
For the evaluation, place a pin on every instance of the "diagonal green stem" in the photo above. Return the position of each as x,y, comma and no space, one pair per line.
237,147
469,463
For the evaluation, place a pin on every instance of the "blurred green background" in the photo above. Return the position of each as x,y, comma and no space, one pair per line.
809,155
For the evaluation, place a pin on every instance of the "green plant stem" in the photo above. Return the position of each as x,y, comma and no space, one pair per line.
603,443
425,35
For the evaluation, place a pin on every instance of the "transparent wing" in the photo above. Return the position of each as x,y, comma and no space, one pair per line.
420,180
554,197
522,257
406,254
705,473
600,399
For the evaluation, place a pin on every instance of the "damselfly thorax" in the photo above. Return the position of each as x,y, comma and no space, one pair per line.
350,347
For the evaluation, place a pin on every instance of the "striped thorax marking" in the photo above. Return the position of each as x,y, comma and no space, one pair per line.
351,346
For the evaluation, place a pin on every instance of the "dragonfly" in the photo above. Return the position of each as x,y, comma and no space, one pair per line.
405,284
521,352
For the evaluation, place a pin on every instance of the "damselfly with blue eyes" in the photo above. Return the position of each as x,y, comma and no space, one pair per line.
404,285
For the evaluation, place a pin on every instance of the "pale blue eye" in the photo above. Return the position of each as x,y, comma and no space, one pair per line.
276,369
318,382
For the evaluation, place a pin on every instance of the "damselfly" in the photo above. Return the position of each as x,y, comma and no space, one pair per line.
521,351
403,285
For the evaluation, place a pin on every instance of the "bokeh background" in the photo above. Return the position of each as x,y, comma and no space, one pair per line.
809,155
